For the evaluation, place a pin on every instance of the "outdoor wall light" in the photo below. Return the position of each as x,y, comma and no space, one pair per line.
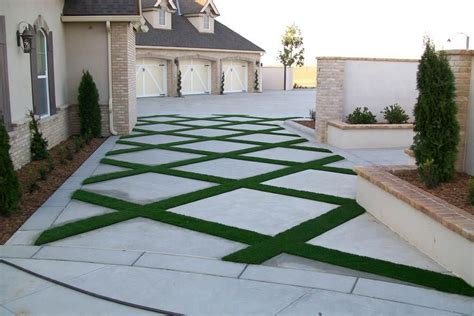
257,63
460,33
24,37
176,61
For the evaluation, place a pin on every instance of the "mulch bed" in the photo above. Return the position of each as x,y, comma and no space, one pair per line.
307,123
63,169
454,192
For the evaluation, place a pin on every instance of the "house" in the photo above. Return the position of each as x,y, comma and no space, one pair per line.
45,45
185,36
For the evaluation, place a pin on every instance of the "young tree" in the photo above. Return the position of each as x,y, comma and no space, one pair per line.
436,127
9,186
89,110
293,51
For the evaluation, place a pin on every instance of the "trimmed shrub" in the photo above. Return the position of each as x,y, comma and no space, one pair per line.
428,171
470,194
395,114
39,145
312,114
361,116
179,85
222,83
436,127
9,186
89,109
256,82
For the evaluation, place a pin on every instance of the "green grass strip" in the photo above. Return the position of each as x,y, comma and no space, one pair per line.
106,201
431,279
336,170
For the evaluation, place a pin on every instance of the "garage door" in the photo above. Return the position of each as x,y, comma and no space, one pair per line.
151,77
195,76
235,76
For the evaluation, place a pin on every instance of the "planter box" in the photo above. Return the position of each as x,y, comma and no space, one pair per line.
440,230
348,136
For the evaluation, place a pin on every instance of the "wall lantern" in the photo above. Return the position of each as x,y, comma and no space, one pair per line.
24,37
176,61
257,63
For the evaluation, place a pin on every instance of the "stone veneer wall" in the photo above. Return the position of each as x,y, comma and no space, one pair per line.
330,94
461,65
214,57
123,77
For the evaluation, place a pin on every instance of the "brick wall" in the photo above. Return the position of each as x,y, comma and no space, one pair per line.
330,94
461,65
123,77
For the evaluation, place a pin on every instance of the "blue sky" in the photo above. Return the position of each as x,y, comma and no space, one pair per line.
362,28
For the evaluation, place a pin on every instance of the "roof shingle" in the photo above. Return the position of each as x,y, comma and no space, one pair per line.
100,7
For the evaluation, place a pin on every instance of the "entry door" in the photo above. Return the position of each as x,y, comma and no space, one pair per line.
151,77
195,76
235,76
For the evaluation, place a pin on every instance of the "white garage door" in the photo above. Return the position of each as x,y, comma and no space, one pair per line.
195,76
151,77
235,76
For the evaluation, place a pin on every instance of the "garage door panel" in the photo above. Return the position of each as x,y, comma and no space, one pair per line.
235,79
151,77
196,76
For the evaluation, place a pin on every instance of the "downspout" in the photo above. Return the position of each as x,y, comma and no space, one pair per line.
109,60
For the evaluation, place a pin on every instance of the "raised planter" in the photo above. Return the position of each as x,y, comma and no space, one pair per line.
442,231
348,136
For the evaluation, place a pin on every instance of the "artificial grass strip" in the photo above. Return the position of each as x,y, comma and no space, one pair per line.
114,175
83,226
106,201
336,170
317,149
431,279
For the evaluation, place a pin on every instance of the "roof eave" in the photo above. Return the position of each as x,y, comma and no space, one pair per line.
202,49
102,18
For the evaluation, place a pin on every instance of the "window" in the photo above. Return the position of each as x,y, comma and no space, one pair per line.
42,74
206,22
161,17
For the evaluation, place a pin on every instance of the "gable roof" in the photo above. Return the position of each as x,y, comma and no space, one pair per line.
195,6
100,7
149,4
185,35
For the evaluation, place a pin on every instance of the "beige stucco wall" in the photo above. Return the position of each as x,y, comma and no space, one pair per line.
214,56
86,48
273,78
16,11
378,83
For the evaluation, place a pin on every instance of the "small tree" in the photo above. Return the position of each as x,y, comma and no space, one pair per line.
436,127
256,83
222,83
9,186
39,145
293,51
178,85
89,109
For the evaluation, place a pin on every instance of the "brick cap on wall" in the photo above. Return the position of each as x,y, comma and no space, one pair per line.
367,59
458,52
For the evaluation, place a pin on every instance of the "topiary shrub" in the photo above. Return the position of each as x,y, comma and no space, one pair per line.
436,127
256,82
89,109
39,145
470,194
395,114
361,116
222,84
9,186
179,85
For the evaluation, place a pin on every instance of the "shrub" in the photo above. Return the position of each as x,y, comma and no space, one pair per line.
89,109
470,194
361,116
178,85
78,144
256,82
428,173
436,128
312,114
43,173
33,184
395,114
222,83
62,155
9,186
50,164
39,145
69,153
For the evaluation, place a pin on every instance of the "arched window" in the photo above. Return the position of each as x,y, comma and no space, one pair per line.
43,108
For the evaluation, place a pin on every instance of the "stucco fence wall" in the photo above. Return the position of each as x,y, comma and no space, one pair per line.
215,57
273,78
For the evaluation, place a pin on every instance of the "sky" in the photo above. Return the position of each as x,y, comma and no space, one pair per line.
351,28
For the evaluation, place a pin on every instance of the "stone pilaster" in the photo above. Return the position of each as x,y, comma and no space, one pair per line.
461,64
123,77
330,94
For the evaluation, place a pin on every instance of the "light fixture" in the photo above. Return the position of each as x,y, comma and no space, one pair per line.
257,63
24,37
176,61
459,33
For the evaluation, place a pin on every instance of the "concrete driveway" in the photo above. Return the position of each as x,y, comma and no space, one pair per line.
207,214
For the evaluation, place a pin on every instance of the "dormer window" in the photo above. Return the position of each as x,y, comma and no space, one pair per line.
162,17
207,23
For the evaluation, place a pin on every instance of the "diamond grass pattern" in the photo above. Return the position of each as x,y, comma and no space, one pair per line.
263,244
